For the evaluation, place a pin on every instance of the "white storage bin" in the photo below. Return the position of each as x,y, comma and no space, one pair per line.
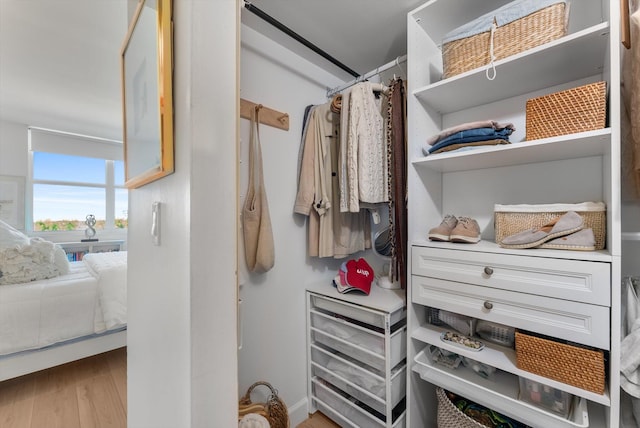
352,333
357,347
339,419
327,357
545,397
461,323
368,357
342,376
355,312
342,405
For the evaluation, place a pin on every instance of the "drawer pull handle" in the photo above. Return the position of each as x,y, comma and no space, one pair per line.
488,305
488,270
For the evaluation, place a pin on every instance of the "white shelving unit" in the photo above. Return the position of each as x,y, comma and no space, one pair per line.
356,356
75,250
564,294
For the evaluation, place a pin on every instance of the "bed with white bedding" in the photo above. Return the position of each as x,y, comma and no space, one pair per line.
71,315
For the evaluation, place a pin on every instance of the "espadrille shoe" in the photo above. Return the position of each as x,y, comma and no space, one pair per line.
467,231
582,240
566,224
443,231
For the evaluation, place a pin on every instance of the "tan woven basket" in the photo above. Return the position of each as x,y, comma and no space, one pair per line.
510,221
533,30
566,112
573,365
449,416
274,410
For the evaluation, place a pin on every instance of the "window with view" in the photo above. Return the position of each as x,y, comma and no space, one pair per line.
74,176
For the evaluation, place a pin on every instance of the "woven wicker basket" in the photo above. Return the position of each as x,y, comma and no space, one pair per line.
274,410
511,219
533,30
566,112
449,416
573,365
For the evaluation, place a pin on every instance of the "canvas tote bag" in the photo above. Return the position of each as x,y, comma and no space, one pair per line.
256,224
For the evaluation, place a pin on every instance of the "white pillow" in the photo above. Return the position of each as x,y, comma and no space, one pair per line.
24,259
60,260
10,237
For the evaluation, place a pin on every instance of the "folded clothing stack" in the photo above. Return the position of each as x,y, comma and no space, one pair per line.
354,275
470,134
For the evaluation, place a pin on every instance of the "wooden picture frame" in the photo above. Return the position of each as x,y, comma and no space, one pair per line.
147,94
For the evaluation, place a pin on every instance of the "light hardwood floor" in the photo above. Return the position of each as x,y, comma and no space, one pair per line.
318,420
88,393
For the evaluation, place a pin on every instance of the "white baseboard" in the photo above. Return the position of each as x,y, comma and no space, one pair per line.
299,412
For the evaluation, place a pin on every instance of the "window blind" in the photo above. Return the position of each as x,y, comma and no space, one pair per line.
45,140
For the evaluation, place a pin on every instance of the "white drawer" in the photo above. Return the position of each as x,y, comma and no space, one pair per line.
373,358
356,312
573,321
366,338
344,423
576,280
336,378
342,405
350,377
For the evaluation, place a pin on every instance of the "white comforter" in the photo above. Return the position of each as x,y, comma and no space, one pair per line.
111,271
90,299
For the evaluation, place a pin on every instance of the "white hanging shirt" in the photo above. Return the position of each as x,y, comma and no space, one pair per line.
366,149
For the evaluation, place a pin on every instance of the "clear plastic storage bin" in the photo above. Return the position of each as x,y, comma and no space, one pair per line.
545,397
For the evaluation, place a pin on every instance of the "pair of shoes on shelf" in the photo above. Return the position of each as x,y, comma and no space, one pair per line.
456,229
566,232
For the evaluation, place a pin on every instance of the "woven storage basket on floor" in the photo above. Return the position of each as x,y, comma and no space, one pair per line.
573,365
449,416
533,30
511,219
566,112
274,409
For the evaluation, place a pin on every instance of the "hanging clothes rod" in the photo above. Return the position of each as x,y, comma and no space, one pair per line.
631,236
289,32
395,63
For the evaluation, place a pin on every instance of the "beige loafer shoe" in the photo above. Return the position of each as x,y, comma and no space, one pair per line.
582,240
564,225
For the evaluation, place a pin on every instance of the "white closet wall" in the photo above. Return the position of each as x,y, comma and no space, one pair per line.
273,304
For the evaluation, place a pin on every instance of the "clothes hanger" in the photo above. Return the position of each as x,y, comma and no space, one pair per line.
379,87
400,67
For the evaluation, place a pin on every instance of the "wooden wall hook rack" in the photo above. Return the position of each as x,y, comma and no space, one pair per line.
267,116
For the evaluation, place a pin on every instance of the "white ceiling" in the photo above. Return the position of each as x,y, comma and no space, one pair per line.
60,60
59,64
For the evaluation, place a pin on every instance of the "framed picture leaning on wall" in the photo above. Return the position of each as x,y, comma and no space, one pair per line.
12,200
147,98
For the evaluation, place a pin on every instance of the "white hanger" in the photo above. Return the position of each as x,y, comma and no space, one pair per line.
379,87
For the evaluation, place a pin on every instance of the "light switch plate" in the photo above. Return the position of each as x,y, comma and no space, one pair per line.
155,223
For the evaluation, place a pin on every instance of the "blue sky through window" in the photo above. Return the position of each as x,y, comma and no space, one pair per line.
71,202
54,202
53,166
